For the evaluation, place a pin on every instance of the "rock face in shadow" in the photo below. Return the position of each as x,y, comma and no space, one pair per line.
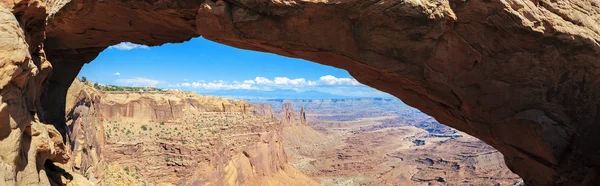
85,134
29,148
520,75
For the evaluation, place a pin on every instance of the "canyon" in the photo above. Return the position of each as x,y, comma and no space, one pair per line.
519,75
174,138
157,137
382,141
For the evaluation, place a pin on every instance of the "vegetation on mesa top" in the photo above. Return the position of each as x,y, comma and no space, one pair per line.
115,88
125,88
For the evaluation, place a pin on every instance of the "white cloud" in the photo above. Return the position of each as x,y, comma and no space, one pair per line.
262,80
278,81
216,85
139,81
288,81
327,83
117,74
128,46
332,80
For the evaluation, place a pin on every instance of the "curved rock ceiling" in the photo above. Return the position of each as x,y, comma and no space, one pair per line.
520,75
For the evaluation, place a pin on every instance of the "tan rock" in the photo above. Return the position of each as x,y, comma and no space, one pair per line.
287,114
29,147
303,116
207,139
474,65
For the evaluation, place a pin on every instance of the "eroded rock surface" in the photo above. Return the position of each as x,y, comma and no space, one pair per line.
287,114
174,138
384,142
520,75
170,106
30,149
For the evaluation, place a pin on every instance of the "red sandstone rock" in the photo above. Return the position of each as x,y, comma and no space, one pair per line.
287,114
174,137
303,117
520,75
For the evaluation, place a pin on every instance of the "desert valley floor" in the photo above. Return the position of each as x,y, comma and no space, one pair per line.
122,136
367,141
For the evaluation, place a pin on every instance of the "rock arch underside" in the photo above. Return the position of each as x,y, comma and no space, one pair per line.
521,75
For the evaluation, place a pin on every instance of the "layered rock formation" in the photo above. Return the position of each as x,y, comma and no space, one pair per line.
85,134
520,75
378,142
288,115
170,106
303,116
30,148
180,138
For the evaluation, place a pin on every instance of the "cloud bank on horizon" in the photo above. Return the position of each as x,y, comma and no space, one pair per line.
327,84
138,81
263,83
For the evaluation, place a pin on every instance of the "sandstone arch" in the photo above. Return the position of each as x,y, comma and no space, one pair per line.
520,75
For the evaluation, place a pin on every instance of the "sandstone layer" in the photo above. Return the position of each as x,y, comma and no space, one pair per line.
520,75
385,142
170,106
174,138
288,115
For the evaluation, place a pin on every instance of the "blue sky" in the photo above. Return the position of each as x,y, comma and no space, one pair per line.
204,66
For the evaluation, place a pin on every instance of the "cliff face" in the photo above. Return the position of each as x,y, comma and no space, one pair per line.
169,106
85,134
520,75
173,137
288,115
30,148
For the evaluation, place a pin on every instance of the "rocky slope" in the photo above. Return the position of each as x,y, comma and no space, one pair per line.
174,138
369,143
520,75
